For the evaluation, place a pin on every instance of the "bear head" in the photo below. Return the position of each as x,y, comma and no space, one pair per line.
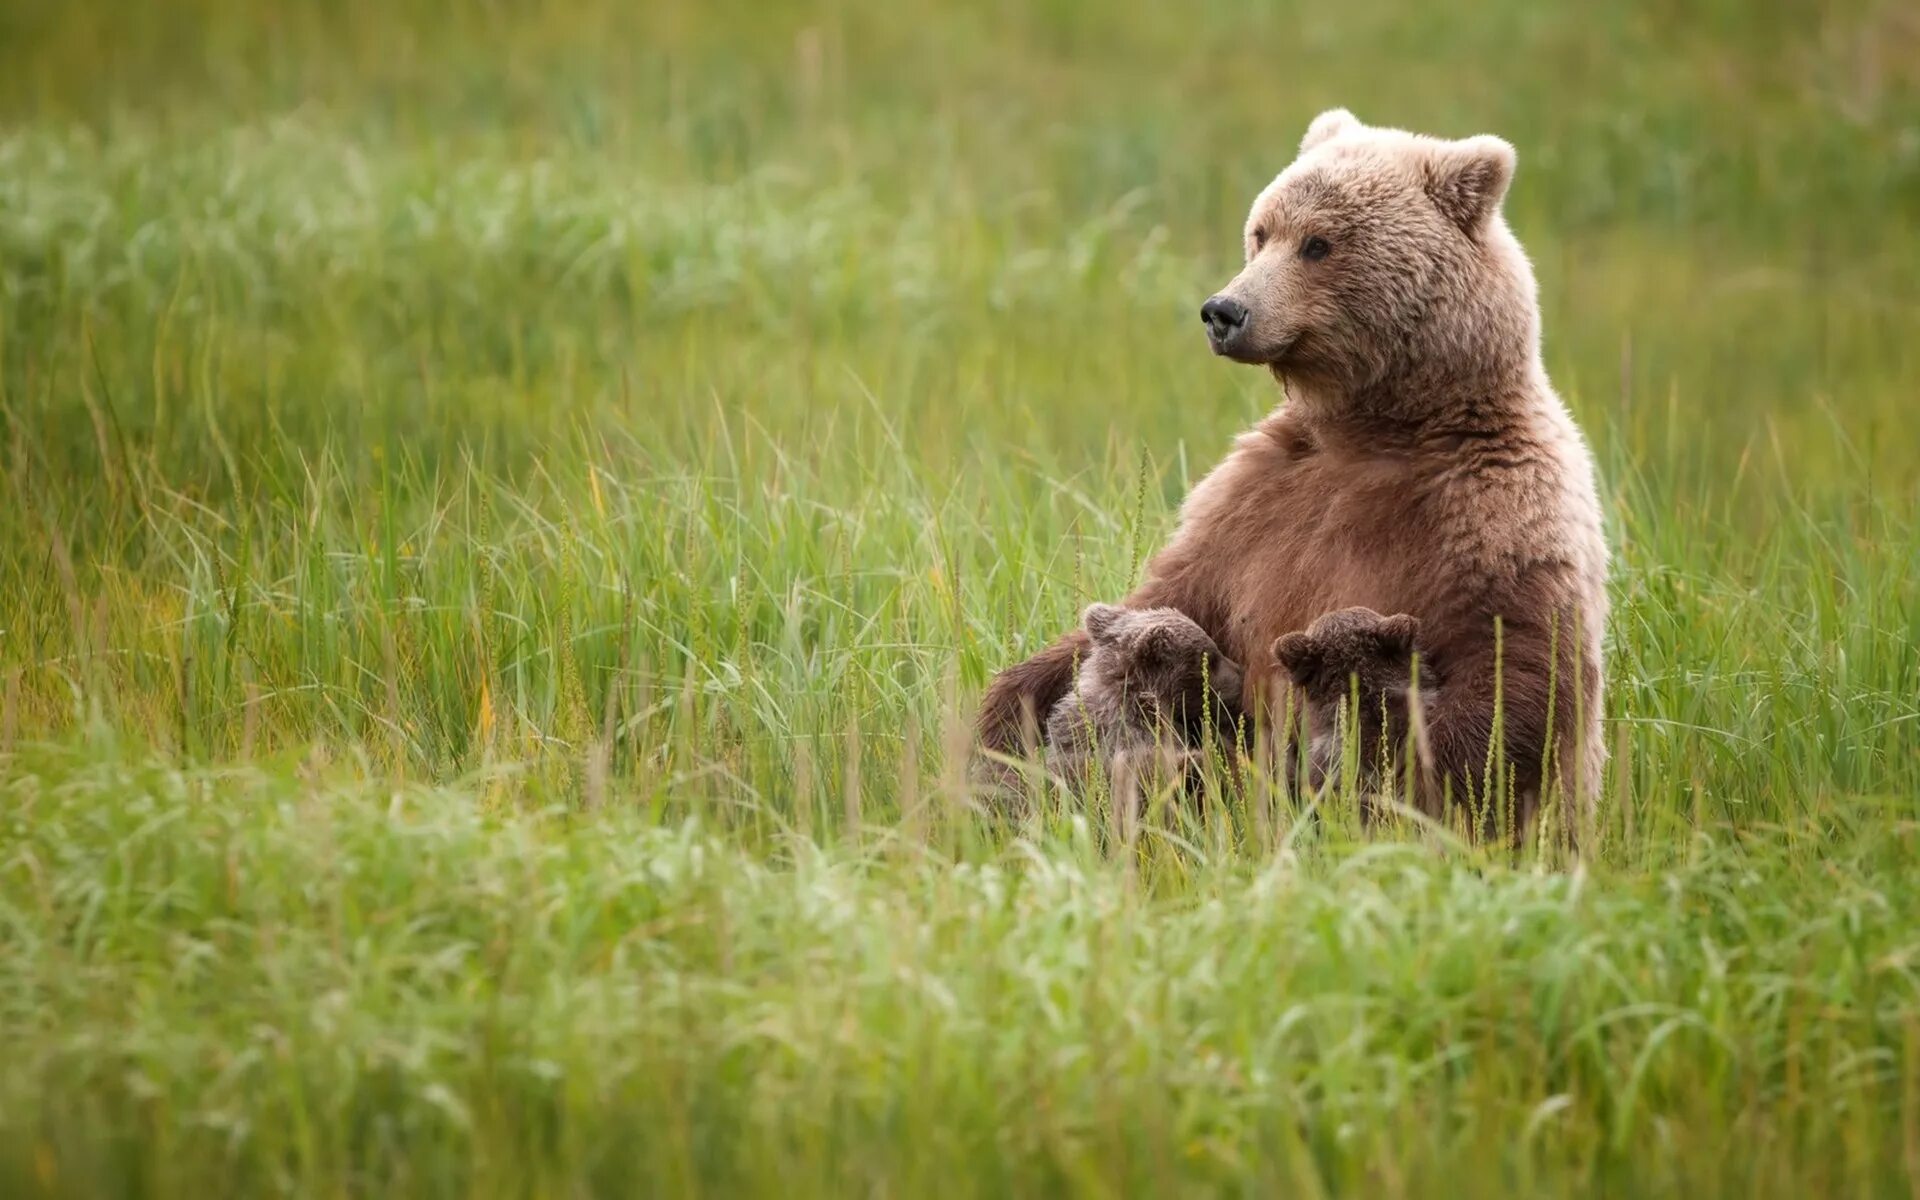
1159,659
1345,643
1380,256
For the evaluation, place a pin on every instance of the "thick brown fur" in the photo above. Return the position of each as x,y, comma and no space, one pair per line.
1152,682
1420,464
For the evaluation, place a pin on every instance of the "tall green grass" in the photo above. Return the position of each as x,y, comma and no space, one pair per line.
505,509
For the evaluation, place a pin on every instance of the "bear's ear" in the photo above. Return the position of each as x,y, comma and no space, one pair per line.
1102,621
1396,635
1467,179
1156,646
1327,126
1298,655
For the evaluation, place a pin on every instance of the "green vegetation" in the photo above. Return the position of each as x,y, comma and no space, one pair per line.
503,507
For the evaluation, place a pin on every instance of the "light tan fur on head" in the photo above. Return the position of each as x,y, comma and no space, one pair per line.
1380,253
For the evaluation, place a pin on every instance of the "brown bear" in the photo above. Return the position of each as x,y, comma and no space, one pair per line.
1152,684
1355,670
1420,463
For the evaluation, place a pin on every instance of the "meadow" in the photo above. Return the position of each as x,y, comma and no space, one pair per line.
504,509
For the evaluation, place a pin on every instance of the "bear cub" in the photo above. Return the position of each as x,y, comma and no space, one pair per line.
1344,652
1149,685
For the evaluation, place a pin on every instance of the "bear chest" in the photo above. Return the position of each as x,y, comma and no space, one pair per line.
1324,532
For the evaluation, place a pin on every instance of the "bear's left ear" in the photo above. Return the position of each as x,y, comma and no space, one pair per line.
1467,179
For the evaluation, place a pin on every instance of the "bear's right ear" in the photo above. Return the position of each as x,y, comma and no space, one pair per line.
1397,634
1327,126
1298,656
1155,646
1102,621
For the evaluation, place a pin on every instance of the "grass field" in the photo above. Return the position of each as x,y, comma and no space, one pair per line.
504,507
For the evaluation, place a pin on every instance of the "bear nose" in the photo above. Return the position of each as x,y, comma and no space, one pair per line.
1224,317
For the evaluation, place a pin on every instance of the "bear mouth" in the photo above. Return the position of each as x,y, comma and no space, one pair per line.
1267,354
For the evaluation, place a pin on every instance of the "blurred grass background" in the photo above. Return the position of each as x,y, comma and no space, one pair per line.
564,444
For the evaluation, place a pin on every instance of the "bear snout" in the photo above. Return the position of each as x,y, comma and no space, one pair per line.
1226,322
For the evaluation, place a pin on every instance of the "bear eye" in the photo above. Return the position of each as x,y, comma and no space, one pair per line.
1313,249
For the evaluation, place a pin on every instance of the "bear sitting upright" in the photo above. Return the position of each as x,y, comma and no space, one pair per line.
1356,671
1420,463
1150,684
